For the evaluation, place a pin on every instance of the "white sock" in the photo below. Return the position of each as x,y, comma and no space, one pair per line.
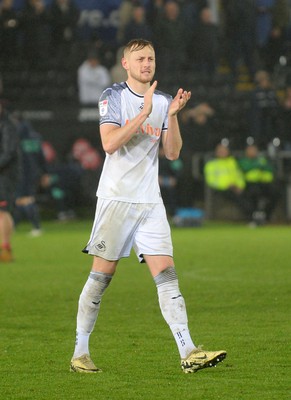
81,345
173,309
88,310
183,339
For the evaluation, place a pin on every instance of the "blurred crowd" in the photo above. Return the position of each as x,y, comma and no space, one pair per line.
248,180
213,40
188,34
39,177
36,32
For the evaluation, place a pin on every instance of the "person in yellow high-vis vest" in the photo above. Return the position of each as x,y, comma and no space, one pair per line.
261,189
223,175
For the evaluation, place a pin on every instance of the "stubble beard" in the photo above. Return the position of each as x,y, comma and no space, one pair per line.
143,78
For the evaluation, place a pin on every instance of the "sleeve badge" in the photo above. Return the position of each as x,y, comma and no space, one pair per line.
103,107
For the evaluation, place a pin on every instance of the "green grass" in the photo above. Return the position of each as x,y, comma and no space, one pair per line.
236,282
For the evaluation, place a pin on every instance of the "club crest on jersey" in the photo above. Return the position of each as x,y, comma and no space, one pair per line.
103,107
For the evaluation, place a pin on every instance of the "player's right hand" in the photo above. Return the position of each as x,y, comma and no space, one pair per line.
148,98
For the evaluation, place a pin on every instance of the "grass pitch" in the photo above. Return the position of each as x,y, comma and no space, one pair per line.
236,283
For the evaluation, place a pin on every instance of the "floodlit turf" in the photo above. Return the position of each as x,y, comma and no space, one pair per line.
236,282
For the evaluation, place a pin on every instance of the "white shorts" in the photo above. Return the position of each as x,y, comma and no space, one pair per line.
118,227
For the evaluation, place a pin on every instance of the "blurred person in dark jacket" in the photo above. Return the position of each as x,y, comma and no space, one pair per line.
35,32
63,18
169,174
8,31
170,36
261,190
239,34
272,22
61,183
204,45
199,127
285,116
137,27
264,110
9,172
33,167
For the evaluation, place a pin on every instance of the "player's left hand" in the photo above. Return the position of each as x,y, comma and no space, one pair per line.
179,102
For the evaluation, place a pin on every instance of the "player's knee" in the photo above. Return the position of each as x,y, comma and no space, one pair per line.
94,289
171,301
166,276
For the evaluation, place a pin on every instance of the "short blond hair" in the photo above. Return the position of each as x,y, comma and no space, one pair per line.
137,44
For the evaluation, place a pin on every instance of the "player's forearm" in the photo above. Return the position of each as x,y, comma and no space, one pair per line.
114,139
173,141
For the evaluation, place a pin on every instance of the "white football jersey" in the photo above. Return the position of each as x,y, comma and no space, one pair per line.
130,174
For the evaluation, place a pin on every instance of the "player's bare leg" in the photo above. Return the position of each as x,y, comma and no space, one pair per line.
6,230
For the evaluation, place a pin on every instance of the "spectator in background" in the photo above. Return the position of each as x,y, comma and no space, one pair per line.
239,34
204,45
86,155
125,13
288,30
104,49
34,24
170,36
261,191
9,172
117,72
223,175
264,26
63,16
90,161
285,116
190,11
137,27
214,6
154,9
93,78
61,183
8,31
272,25
169,173
264,110
199,127
33,167
276,42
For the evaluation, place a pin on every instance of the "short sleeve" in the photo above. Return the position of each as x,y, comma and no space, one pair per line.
109,107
